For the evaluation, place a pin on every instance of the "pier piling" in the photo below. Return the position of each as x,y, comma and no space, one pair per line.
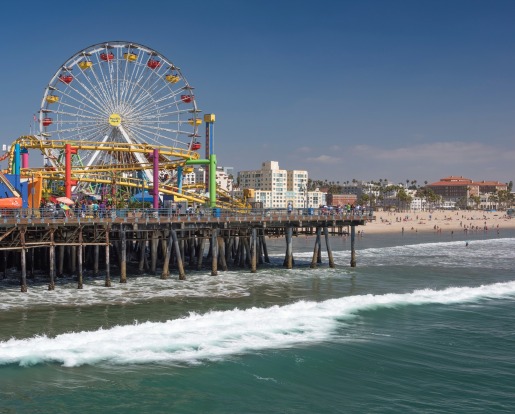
328,247
352,249
23,262
108,264
79,260
51,261
123,254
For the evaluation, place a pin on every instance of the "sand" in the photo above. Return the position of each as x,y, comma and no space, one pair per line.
439,221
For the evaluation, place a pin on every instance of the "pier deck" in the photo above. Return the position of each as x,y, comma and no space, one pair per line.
69,245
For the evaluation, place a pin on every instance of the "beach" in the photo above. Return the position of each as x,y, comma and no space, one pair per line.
439,221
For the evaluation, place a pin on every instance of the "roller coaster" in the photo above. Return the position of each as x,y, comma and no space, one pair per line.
118,116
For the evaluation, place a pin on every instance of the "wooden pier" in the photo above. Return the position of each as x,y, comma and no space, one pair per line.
172,244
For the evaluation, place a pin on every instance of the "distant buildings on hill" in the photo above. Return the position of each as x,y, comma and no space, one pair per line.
272,187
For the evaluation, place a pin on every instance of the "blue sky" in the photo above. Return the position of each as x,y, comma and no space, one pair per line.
344,89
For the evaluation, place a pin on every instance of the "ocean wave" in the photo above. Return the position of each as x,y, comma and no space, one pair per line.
218,335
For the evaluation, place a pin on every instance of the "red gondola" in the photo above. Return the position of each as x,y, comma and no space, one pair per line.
195,146
153,64
186,98
47,121
107,57
66,78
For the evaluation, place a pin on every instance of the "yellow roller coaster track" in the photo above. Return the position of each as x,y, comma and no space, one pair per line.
32,142
97,174
49,172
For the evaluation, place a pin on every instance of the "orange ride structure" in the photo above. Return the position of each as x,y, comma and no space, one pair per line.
119,115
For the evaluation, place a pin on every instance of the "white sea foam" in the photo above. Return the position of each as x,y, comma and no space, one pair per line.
492,254
221,334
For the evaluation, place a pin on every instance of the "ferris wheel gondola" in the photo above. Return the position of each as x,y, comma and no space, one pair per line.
118,92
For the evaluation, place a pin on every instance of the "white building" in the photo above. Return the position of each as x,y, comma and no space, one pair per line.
270,178
223,178
276,188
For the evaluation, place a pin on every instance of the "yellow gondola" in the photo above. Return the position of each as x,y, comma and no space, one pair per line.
187,170
172,78
52,99
131,57
196,121
85,64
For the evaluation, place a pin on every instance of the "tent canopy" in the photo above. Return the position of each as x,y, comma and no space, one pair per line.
145,196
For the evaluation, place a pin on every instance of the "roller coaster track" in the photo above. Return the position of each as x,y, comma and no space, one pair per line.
136,183
113,174
32,142
112,169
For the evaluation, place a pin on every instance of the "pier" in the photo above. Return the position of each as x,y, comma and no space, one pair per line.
161,244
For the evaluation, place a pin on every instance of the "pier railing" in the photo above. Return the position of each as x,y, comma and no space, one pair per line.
43,215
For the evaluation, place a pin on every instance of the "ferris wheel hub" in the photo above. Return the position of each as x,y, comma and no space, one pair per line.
115,120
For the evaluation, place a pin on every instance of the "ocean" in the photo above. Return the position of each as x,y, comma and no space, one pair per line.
423,324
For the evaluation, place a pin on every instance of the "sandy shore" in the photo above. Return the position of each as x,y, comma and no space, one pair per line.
451,222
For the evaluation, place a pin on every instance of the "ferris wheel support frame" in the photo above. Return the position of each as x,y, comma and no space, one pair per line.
68,182
211,163
155,181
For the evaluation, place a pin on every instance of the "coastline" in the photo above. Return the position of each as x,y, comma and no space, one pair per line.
438,222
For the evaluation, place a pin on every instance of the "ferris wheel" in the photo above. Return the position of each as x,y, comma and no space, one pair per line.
118,92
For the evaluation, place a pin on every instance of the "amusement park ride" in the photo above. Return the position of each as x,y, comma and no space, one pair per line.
116,118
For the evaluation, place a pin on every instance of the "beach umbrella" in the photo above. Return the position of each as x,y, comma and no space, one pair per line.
65,200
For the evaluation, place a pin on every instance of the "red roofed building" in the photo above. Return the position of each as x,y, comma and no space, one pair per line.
490,186
456,188
341,199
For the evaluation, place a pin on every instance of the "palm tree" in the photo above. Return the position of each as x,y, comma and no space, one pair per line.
475,199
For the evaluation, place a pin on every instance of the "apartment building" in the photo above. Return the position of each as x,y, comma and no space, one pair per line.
276,188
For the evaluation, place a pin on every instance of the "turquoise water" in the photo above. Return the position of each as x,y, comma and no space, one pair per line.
423,324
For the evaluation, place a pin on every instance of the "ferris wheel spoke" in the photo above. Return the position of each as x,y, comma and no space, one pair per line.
97,96
144,136
159,99
76,111
135,80
91,95
136,84
154,133
94,134
98,86
102,80
149,107
86,101
80,134
160,117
